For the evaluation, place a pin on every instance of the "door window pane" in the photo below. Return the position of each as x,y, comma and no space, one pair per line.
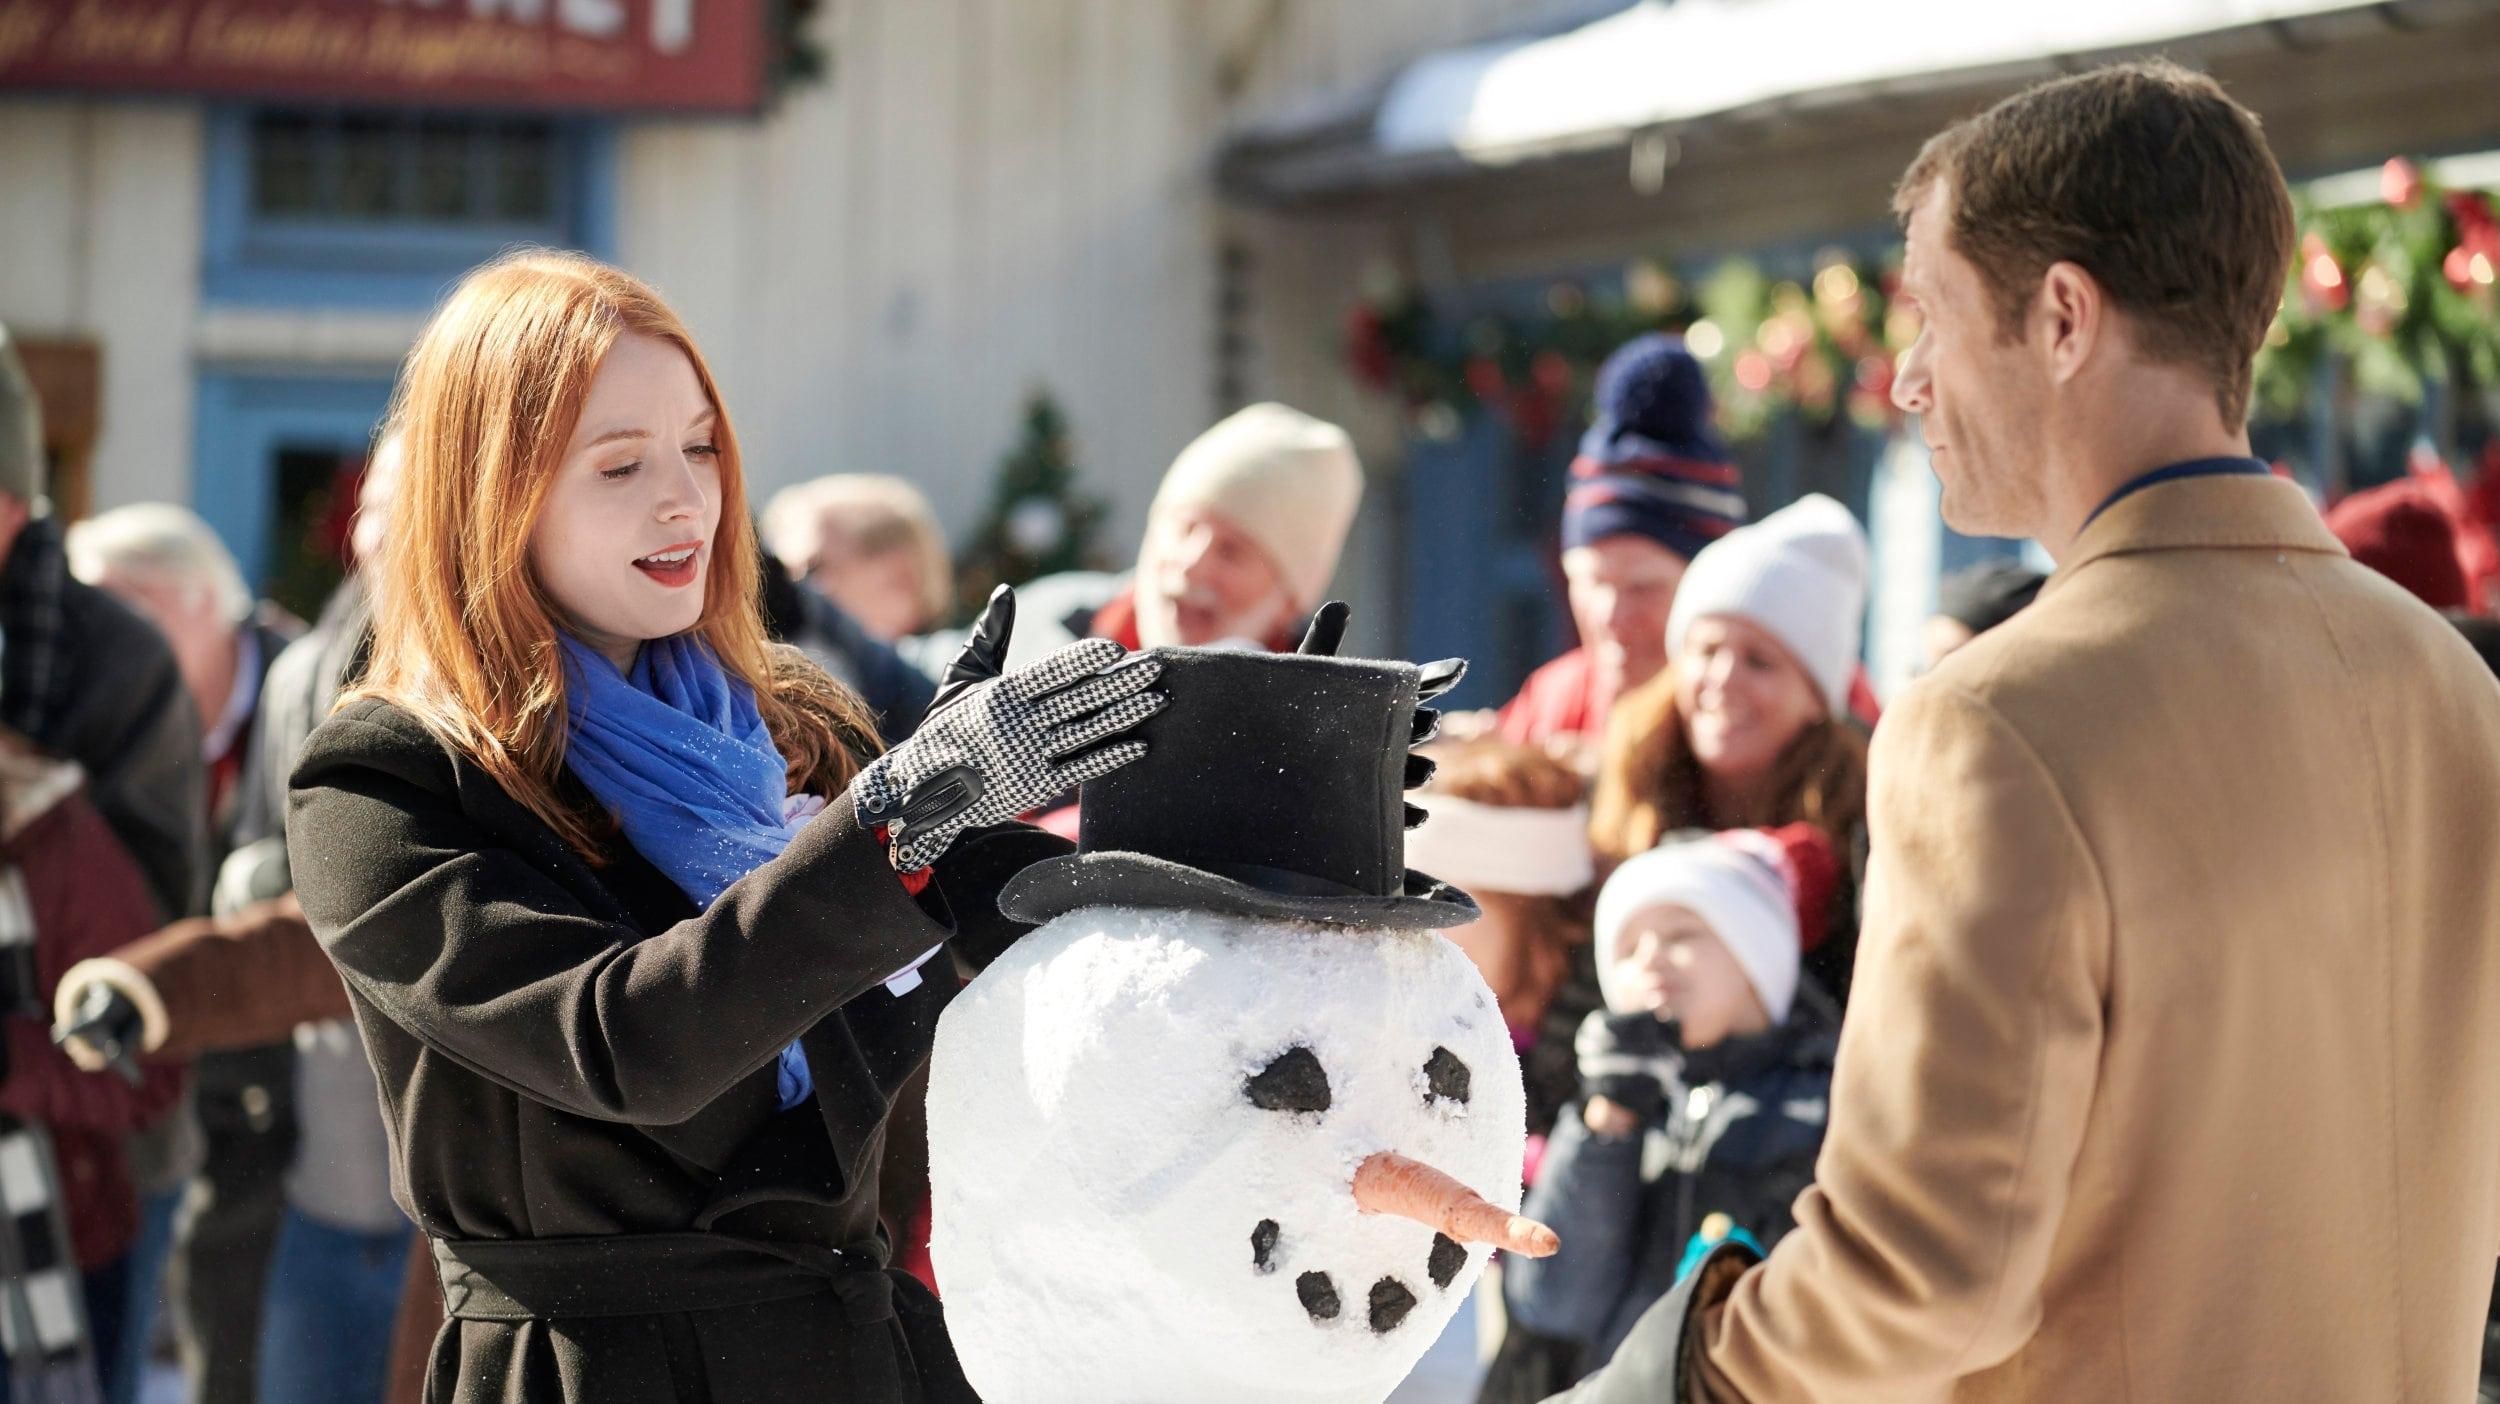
367,169
525,171
372,167
316,501
444,187
285,180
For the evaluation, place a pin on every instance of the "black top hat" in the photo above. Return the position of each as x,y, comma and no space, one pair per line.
1274,787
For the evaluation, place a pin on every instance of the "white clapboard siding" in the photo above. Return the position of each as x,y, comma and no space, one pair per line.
990,196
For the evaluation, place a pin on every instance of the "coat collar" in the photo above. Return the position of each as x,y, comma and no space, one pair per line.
2201,514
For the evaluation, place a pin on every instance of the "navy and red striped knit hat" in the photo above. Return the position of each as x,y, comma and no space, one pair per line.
1651,465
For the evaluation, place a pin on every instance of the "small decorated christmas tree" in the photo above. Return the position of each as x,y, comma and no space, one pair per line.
1038,522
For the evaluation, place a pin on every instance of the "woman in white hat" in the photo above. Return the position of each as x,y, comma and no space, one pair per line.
1749,724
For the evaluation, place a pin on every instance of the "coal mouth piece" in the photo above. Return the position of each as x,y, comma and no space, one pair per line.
1389,1301
1390,1304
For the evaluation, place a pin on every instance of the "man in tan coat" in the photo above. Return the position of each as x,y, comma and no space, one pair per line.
2173,1068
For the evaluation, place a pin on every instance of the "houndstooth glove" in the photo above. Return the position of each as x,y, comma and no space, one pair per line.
995,746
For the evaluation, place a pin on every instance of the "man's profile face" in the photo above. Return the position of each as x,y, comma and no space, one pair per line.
1201,580
883,590
186,613
1979,394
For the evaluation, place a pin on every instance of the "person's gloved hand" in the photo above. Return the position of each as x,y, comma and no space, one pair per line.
995,746
97,1023
1628,1059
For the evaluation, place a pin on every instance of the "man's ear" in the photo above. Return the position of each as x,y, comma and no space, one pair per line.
2071,316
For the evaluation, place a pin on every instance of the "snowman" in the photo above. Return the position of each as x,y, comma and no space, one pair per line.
1234,1123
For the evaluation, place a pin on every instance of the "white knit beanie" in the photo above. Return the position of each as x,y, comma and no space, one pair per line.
1799,573
1288,481
1739,894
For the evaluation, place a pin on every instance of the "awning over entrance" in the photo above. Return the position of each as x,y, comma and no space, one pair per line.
1656,64
1657,71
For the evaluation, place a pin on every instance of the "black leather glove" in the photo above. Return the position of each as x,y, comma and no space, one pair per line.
994,746
1628,1059
108,1024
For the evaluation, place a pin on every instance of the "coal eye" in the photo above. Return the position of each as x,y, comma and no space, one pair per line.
1263,1247
1446,1078
1293,1081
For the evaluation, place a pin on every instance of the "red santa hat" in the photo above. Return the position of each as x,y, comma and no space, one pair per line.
2400,530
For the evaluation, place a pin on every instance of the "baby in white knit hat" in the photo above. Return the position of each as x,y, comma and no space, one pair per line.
1706,1080
1706,933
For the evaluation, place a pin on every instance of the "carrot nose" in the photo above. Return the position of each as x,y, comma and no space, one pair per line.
1389,1183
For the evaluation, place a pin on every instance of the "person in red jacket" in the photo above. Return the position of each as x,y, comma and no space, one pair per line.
1652,485
69,890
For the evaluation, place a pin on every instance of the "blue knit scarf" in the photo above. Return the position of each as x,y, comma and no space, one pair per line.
679,754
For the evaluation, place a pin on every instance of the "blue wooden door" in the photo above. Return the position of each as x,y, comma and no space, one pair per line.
1478,575
265,442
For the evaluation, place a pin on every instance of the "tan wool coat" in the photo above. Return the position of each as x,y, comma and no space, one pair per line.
2173,1068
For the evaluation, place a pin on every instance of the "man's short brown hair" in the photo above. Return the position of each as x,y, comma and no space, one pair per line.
2147,176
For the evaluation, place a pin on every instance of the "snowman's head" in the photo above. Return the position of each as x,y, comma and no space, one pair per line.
1145,1129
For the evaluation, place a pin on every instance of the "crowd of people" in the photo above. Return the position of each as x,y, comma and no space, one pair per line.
1667,829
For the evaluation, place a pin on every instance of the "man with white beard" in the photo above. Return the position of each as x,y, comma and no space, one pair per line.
1243,536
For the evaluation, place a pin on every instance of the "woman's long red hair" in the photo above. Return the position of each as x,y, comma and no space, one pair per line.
464,636
1649,782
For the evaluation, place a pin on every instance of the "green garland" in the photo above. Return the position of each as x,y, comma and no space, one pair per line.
1822,349
2401,288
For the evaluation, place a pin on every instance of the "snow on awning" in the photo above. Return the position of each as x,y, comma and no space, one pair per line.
1657,64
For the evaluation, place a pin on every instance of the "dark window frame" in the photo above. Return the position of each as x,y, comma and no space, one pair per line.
396,256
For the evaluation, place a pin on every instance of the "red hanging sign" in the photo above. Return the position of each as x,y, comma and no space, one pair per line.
548,55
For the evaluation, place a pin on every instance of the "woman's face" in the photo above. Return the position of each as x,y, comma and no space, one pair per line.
1674,966
1744,699
624,542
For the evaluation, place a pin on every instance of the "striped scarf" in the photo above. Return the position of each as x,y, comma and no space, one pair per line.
33,675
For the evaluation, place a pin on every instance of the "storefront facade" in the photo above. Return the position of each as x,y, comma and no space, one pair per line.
1493,177
226,222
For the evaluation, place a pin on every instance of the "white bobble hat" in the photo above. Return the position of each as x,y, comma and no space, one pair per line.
1800,573
1289,481
1732,883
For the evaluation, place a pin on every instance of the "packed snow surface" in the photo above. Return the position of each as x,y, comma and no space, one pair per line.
1105,1185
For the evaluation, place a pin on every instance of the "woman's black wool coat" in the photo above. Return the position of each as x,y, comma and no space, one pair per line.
574,1052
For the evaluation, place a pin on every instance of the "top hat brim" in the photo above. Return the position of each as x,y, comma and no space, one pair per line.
1056,886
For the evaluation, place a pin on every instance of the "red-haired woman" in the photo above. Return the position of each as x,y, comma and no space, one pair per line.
629,909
